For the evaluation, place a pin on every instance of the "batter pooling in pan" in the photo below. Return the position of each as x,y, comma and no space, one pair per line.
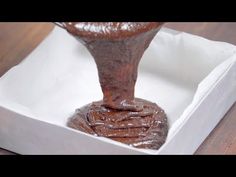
117,48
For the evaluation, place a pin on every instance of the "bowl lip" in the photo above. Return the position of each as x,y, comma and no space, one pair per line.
107,32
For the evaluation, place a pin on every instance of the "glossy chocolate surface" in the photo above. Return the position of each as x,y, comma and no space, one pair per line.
117,48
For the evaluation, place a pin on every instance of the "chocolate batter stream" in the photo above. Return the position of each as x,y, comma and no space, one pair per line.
117,48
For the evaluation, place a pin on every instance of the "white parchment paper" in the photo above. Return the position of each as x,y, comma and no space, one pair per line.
176,71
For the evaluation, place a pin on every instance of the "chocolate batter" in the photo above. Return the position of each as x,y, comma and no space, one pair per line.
117,48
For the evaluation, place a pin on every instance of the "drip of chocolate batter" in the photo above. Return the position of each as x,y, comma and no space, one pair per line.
117,49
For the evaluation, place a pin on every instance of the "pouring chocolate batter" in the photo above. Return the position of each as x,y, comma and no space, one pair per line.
117,48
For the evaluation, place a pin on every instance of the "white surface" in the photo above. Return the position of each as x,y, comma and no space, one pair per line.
185,74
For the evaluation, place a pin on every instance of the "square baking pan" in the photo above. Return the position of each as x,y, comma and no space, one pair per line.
193,79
